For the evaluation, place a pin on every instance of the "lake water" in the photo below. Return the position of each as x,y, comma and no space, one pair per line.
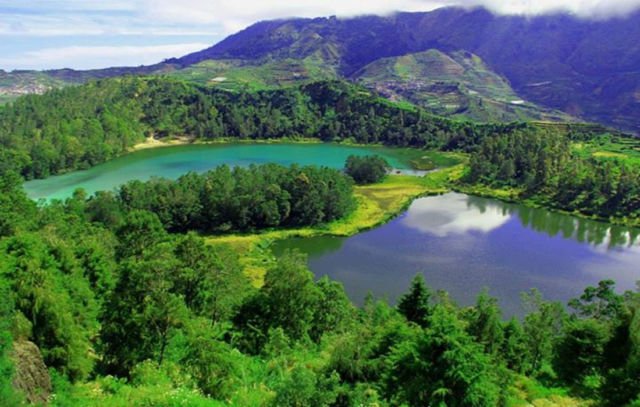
462,244
171,162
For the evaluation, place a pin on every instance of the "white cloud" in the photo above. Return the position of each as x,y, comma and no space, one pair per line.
235,14
25,25
82,57
452,214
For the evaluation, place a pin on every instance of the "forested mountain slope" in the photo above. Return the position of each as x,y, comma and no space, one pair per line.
588,69
583,67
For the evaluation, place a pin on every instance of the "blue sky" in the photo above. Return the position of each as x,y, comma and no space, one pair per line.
86,34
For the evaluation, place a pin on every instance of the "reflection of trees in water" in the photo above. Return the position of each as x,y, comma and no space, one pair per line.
556,224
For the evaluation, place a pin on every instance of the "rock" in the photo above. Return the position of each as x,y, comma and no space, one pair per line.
31,376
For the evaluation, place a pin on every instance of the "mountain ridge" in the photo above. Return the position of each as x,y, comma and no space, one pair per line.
584,68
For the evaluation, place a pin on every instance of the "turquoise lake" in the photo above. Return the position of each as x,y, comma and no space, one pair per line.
171,162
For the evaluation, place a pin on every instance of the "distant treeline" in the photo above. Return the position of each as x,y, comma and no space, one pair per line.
78,127
542,164
237,199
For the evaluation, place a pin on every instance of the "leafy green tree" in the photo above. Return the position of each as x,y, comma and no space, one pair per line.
209,279
366,170
441,366
213,363
485,323
333,311
580,351
48,288
287,300
601,303
144,311
414,305
514,351
543,327
15,207
141,230
303,387
8,395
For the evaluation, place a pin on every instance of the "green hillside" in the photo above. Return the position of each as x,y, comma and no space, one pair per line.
235,74
456,84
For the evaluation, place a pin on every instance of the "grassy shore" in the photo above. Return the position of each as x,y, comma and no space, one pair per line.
376,204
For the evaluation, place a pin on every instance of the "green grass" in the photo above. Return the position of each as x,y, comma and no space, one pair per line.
528,392
610,147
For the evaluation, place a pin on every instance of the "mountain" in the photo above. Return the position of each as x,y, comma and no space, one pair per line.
455,84
585,68
513,67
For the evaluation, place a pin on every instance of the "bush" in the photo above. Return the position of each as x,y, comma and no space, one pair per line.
367,170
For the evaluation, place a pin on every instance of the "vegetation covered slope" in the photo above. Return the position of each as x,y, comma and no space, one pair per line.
236,74
16,84
546,168
587,69
584,68
451,84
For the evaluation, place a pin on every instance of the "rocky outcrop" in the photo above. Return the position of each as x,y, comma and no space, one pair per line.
31,376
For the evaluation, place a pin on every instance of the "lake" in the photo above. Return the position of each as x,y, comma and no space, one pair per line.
171,162
462,244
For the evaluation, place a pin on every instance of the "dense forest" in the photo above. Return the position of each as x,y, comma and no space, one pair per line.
129,314
78,127
125,304
238,199
544,165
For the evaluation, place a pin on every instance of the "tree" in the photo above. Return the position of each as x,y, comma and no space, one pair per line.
143,312
580,351
542,328
366,170
287,300
485,323
442,365
141,230
601,303
414,305
514,347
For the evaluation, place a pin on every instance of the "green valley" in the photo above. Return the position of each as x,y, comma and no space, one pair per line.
162,285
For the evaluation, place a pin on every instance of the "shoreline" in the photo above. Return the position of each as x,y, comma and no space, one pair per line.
378,204
511,196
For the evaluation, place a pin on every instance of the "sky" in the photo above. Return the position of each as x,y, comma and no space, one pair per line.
88,34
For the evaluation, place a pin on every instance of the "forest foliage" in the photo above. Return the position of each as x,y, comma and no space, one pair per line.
129,313
128,305
544,165
78,127
367,169
233,199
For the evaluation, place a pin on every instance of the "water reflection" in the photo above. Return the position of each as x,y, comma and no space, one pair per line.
462,244
454,214
460,214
